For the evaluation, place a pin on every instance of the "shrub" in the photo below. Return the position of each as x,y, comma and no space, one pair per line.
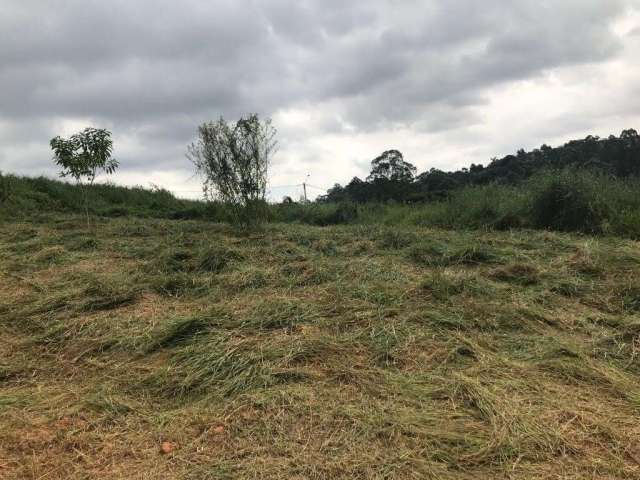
487,206
5,188
567,201
343,213
508,222
320,214
233,160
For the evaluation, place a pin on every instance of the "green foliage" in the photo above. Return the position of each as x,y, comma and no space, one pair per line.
41,196
567,201
487,206
6,187
85,154
343,213
233,160
392,178
320,214
391,166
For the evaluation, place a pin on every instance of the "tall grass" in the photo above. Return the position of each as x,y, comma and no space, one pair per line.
25,196
563,200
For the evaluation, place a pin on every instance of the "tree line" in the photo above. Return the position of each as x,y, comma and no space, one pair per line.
233,160
392,178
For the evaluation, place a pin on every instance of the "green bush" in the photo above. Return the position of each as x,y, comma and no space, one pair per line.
320,214
567,201
342,214
5,188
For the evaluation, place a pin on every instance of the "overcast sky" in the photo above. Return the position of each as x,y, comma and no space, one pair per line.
447,82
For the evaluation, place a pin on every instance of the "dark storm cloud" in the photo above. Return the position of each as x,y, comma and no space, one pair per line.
152,70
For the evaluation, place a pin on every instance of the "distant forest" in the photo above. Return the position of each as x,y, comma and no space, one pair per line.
394,179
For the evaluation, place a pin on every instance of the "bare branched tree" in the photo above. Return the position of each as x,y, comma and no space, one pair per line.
233,161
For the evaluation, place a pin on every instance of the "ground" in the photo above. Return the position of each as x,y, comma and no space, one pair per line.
151,349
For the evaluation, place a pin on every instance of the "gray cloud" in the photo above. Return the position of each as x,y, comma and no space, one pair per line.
152,70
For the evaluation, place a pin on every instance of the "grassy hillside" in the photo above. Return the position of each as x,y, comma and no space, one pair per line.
562,200
30,197
359,351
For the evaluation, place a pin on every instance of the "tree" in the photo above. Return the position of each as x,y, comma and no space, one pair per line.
335,194
358,191
83,156
391,166
392,178
233,160
628,161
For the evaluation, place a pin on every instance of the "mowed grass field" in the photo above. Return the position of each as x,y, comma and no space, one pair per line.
300,352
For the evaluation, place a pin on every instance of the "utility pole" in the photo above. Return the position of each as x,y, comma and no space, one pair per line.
304,187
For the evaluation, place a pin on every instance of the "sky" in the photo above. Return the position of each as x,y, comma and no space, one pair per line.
446,82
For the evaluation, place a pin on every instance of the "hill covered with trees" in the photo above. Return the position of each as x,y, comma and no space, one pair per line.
394,178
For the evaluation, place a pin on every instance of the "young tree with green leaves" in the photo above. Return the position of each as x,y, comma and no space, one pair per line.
233,160
83,156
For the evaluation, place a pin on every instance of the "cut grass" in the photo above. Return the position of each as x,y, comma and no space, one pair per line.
299,352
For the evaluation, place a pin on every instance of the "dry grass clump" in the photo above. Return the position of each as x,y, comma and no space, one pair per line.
518,273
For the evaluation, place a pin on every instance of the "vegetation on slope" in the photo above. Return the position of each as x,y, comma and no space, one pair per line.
392,177
564,200
30,197
359,351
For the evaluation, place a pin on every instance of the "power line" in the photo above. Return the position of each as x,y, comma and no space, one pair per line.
285,186
271,188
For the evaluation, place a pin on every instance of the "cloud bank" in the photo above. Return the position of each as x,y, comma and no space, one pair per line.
446,82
